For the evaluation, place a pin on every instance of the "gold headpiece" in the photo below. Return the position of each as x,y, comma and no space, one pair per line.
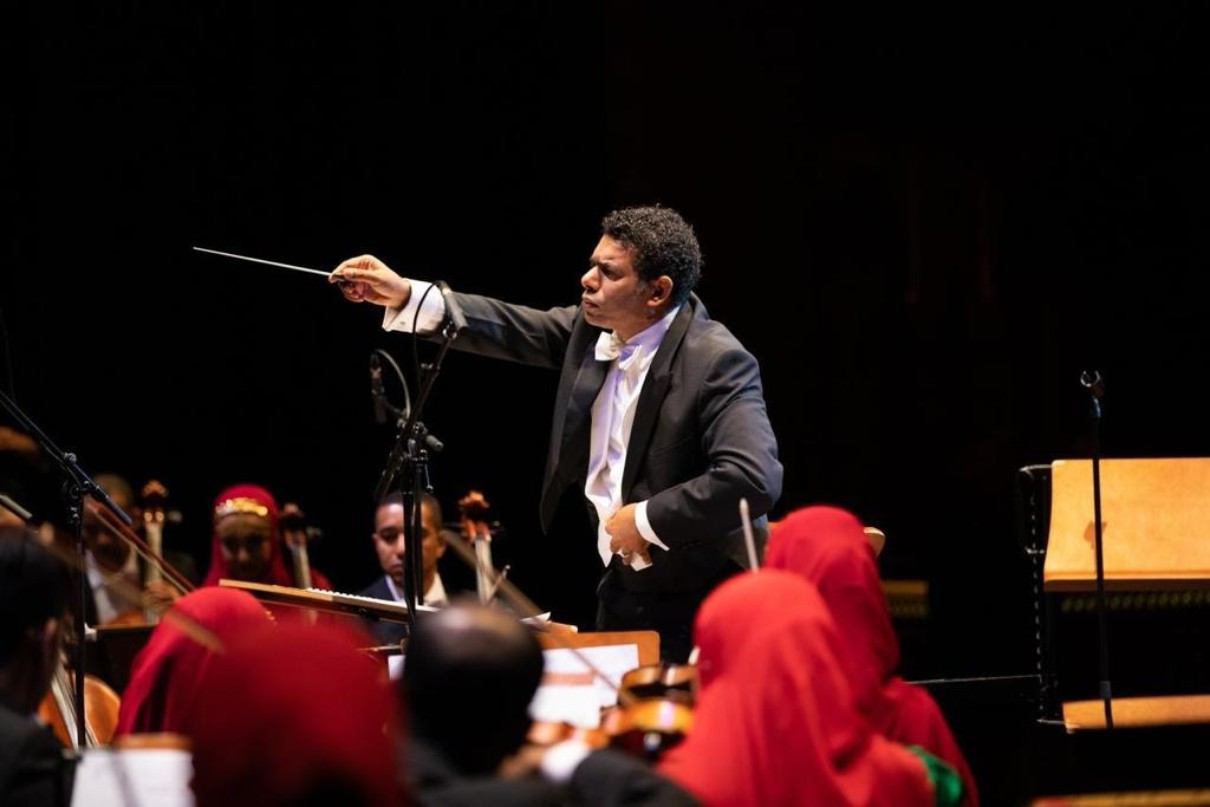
240,504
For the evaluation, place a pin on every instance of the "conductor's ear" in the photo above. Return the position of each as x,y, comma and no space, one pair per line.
661,289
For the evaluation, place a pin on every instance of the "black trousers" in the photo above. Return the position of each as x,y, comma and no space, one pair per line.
668,613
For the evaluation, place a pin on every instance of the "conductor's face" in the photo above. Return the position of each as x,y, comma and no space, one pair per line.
614,297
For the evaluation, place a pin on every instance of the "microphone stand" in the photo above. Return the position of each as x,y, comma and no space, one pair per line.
1091,381
76,485
411,451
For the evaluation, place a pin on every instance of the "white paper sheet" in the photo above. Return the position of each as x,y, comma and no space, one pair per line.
571,692
133,777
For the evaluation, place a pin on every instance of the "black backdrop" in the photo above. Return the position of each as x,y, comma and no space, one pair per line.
923,227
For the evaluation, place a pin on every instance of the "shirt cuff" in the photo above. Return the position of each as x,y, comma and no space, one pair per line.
425,299
560,761
644,526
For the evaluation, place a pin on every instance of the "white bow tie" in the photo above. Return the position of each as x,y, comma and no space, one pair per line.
609,346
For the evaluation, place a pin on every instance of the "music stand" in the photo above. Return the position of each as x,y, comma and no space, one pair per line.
1154,512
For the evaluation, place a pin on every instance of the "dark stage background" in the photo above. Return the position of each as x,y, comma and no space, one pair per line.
924,228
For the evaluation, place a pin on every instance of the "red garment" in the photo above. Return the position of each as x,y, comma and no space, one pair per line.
828,547
295,714
165,673
775,721
277,574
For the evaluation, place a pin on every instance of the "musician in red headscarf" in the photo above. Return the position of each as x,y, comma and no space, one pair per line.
775,721
246,541
295,715
828,547
165,674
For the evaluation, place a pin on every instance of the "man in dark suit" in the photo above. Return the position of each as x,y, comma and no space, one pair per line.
390,545
33,608
660,419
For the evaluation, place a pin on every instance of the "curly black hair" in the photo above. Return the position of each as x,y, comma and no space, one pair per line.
663,243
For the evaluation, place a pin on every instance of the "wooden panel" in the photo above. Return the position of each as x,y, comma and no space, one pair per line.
1155,516
1141,798
1135,712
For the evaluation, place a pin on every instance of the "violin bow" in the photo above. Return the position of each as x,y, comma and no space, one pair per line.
749,538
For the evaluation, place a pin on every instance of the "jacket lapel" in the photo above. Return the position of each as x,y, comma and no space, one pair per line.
569,435
655,388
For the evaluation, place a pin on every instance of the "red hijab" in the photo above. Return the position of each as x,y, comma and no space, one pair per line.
295,712
828,547
276,572
165,673
775,721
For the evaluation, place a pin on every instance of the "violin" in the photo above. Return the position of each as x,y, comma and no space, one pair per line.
654,714
658,680
659,712
544,733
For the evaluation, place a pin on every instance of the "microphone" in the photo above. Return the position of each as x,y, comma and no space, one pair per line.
453,311
1091,380
377,390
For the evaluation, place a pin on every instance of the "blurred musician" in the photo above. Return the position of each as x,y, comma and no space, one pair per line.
165,674
33,607
390,546
246,543
115,571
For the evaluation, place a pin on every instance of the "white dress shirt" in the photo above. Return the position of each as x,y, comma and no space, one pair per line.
435,596
110,599
612,420
612,411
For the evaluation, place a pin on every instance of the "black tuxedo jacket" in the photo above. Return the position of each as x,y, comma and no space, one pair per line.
700,442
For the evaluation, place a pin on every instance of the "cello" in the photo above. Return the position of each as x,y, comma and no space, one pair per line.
292,523
472,509
58,709
154,497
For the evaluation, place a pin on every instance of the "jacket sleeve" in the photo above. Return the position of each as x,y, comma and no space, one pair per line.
740,455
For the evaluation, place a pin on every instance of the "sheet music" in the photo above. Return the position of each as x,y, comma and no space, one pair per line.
613,660
132,777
